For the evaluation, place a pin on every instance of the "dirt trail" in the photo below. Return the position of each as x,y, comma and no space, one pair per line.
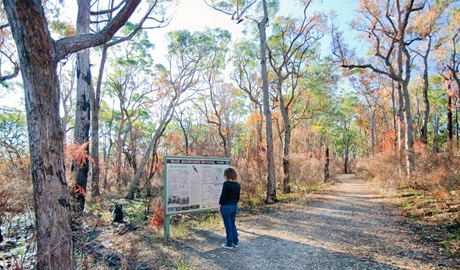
348,227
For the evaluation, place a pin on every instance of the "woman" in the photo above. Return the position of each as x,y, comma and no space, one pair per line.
228,207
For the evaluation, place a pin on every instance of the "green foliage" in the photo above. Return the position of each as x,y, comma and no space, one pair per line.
254,7
183,263
343,130
180,230
13,131
135,210
106,216
200,46
133,56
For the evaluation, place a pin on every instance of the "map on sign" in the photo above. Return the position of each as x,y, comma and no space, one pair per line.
193,183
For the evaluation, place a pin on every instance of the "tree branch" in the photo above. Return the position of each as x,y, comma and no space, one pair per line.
15,71
76,43
107,11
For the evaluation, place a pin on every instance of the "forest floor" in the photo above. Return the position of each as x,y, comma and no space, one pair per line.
348,225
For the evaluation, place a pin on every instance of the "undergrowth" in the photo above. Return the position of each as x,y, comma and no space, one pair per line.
109,243
430,197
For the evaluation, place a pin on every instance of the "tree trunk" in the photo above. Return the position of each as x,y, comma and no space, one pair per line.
400,130
152,146
95,102
326,164
395,117
287,139
286,160
372,128
409,136
38,55
404,72
41,88
82,126
456,127
345,146
184,132
435,133
271,181
152,170
426,101
108,151
450,132
119,151
135,183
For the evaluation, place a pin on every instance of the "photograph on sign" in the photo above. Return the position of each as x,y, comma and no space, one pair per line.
193,183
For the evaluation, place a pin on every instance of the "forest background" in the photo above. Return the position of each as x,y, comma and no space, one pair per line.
381,101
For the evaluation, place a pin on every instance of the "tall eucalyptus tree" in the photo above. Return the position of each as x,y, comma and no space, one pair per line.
39,54
291,44
247,10
387,25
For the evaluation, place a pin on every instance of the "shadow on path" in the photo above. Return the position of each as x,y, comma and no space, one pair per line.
348,228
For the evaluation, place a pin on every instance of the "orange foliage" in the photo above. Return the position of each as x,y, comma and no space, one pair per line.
388,142
172,138
440,193
76,190
77,153
255,117
157,221
157,167
440,174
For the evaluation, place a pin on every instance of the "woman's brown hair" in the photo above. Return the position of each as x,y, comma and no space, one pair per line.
230,174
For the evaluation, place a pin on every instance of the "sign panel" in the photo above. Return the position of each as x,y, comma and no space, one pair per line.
193,183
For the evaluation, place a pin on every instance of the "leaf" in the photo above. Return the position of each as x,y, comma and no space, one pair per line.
77,153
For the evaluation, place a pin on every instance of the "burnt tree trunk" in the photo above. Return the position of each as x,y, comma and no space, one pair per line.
38,55
82,126
450,132
326,165
41,89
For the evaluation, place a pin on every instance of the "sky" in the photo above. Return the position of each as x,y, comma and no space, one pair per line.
195,15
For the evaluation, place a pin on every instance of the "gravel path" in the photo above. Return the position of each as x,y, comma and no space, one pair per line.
348,227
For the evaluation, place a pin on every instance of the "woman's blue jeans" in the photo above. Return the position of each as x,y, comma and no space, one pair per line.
229,215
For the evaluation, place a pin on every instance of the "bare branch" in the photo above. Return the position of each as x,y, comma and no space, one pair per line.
211,5
76,43
15,71
107,11
3,26
369,66
133,33
12,75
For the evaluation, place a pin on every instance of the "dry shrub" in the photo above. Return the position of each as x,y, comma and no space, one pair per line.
306,171
114,185
15,186
382,168
16,204
437,171
433,171
252,175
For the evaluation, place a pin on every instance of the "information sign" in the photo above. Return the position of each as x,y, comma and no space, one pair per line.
193,183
